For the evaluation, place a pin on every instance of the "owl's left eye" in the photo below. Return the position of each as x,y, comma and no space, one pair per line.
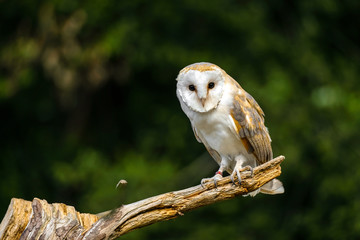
211,85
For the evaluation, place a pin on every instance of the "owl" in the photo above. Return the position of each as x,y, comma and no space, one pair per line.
227,120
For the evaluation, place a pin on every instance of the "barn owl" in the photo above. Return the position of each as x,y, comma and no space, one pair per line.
227,120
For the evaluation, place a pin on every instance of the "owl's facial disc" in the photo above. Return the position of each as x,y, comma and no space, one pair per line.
201,91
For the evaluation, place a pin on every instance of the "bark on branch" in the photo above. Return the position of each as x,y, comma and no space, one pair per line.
41,220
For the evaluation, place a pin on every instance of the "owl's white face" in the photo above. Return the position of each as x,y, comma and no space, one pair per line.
200,89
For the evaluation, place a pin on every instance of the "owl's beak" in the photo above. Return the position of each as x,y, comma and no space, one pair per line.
203,100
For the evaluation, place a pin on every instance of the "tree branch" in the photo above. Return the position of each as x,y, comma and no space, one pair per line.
40,220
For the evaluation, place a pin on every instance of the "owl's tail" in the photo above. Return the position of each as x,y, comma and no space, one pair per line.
275,186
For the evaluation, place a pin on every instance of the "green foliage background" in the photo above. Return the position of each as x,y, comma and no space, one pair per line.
87,97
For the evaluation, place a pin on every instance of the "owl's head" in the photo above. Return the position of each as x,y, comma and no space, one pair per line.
200,86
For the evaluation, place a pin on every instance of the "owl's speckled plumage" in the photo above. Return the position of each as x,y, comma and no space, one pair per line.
226,119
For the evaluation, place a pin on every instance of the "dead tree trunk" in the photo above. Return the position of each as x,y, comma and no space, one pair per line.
41,220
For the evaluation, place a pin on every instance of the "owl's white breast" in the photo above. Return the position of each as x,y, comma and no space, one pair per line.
215,127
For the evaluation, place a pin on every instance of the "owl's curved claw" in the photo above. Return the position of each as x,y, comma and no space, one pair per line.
248,168
215,179
205,180
237,172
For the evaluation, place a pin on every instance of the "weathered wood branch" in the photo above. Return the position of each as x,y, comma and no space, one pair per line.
41,220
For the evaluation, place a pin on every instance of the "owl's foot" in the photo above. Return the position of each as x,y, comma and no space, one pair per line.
217,177
237,172
248,168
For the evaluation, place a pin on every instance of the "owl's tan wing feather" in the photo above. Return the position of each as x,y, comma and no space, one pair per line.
248,120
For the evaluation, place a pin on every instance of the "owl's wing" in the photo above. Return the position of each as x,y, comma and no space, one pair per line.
214,154
248,119
196,135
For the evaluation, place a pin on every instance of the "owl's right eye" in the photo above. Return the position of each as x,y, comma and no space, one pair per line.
191,87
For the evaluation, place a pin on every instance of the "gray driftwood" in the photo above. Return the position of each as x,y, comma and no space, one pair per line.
41,220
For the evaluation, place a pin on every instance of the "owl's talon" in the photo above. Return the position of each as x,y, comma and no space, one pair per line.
218,176
203,181
237,172
248,168
207,180
232,179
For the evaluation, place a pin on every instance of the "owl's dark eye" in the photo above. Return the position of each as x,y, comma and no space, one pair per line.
211,85
191,87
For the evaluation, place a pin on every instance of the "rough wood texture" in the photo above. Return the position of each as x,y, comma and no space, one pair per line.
41,220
